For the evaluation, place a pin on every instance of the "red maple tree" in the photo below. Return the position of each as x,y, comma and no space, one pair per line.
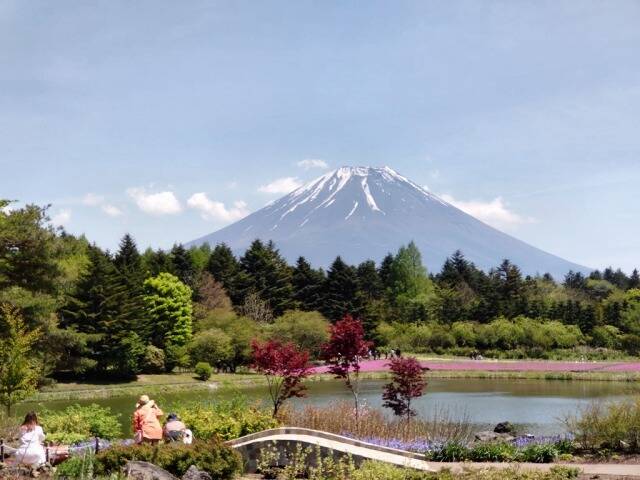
406,384
285,366
343,352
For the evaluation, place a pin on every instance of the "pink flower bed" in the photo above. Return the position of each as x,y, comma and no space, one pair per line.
506,366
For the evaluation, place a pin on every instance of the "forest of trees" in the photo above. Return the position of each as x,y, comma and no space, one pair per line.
117,314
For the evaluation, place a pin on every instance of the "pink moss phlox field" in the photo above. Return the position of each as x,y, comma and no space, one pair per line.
504,366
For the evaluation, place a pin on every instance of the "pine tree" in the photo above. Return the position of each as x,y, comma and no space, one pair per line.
182,265
225,268
369,283
101,309
341,288
267,275
155,262
130,276
308,286
634,279
384,272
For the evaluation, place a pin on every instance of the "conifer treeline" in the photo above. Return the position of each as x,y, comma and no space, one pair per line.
117,314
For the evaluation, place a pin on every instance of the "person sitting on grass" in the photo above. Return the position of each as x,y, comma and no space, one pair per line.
146,426
31,450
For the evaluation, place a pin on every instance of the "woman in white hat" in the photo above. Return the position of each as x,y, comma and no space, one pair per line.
146,426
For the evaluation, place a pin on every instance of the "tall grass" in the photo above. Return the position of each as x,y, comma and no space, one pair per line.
607,425
339,418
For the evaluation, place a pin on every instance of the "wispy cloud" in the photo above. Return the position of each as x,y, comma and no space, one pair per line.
92,200
494,212
212,210
281,185
309,163
161,203
62,217
111,210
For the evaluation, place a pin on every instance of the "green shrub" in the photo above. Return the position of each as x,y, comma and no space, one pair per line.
493,452
449,452
76,423
546,453
212,456
76,468
610,426
203,371
227,420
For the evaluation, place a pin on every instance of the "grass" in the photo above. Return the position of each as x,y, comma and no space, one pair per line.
375,427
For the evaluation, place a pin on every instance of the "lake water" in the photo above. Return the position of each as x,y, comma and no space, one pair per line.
538,405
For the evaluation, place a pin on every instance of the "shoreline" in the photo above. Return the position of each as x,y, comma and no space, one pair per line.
177,383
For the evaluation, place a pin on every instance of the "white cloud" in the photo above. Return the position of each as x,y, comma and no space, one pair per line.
281,185
92,200
309,163
495,212
212,210
111,210
62,218
161,203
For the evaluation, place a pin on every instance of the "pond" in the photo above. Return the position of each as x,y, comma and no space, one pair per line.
537,405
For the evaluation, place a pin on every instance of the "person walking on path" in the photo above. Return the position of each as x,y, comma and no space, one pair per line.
31,450
146,426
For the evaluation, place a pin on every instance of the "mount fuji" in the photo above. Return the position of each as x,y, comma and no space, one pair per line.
363,213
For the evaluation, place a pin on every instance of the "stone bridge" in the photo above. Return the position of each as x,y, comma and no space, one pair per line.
286,439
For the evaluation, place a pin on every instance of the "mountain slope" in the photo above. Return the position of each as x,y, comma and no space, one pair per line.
364,212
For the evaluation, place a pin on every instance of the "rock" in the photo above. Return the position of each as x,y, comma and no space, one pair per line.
487,436
196,474
146,471
504,427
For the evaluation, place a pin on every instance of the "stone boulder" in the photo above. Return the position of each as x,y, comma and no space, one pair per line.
488,436
136,470
504,427
194,473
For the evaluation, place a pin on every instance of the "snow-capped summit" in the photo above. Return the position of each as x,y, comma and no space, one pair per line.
365,212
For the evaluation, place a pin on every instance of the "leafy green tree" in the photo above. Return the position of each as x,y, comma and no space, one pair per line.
212,346
308,285
411,288
28,249
168,302
19,369
307,330
341,291
267,275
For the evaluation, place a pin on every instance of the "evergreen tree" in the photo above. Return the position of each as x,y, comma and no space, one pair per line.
225,268
341,288
369,283
510,289
155,262
182,265
267,275
100,308
384,272
130,276
308,286
634,279
575,280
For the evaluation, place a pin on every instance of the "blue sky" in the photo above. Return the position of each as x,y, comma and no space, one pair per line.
171,119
